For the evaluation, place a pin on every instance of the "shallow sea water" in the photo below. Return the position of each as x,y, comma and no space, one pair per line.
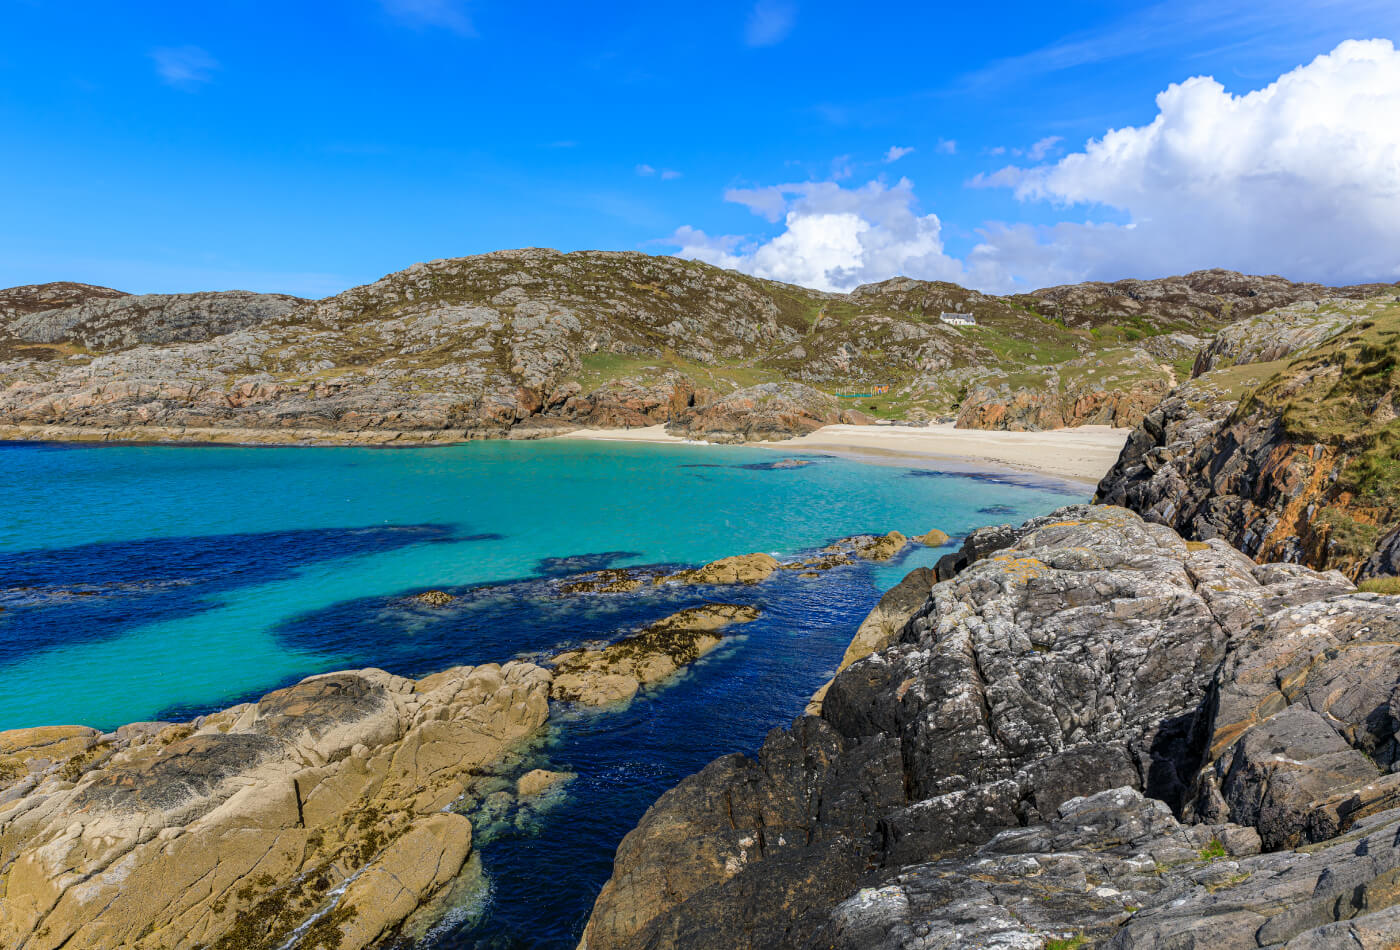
141,582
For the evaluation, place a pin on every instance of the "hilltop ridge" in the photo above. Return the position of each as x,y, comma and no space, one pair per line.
530,342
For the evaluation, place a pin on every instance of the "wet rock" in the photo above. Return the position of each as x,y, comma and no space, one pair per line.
434,598
538,780
615,673
933,539
611,581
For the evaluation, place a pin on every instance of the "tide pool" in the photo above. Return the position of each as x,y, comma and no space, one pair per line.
142,582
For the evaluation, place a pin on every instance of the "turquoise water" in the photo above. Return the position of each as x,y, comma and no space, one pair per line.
143,582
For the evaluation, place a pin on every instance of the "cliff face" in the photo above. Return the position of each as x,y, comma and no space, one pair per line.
1095,732
1291,459
533,342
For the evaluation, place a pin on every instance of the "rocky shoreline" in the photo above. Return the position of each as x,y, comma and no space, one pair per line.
321,806
339,812
1090,731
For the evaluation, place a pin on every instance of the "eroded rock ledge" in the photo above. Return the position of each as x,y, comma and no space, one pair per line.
231,831
1094,732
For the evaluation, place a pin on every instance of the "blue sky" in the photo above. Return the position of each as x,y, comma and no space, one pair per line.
308,147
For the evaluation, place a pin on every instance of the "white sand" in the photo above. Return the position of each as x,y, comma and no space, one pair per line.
656,433
1083,454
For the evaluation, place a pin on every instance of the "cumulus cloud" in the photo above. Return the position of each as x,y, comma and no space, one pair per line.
446,14
833,237
185,67
1301,177
946,147
769,22
896,152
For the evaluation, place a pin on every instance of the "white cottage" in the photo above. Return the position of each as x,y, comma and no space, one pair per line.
958,319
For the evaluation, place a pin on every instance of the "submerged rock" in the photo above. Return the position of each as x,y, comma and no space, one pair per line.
1006,771
538,780
230,831
615,673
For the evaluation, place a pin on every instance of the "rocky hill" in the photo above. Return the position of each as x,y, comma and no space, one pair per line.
1286,443
533,342
1093,734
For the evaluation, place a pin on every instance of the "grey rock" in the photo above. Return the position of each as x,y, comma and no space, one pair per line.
1092,731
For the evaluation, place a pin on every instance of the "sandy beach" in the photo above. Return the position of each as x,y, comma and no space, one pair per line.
1083,454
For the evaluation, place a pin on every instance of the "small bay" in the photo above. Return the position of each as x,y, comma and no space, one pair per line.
142,582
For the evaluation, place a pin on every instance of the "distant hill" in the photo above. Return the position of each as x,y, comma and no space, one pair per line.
527,342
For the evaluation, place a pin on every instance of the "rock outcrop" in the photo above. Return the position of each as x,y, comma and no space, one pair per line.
1088,733
614,673
766,412
869,547
1201,298
1038,408
738,569
322,804
117,323
1280,333
1287,460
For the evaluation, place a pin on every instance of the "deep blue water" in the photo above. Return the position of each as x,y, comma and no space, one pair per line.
144,582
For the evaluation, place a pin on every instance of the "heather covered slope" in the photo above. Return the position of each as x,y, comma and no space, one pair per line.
1287,444
531,342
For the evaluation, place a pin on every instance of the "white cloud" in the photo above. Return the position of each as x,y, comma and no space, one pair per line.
946,147
185,67
834,238
1301,178
645,171
697,245
665,174
769,23
897,152
447,14
669,174
1042,148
